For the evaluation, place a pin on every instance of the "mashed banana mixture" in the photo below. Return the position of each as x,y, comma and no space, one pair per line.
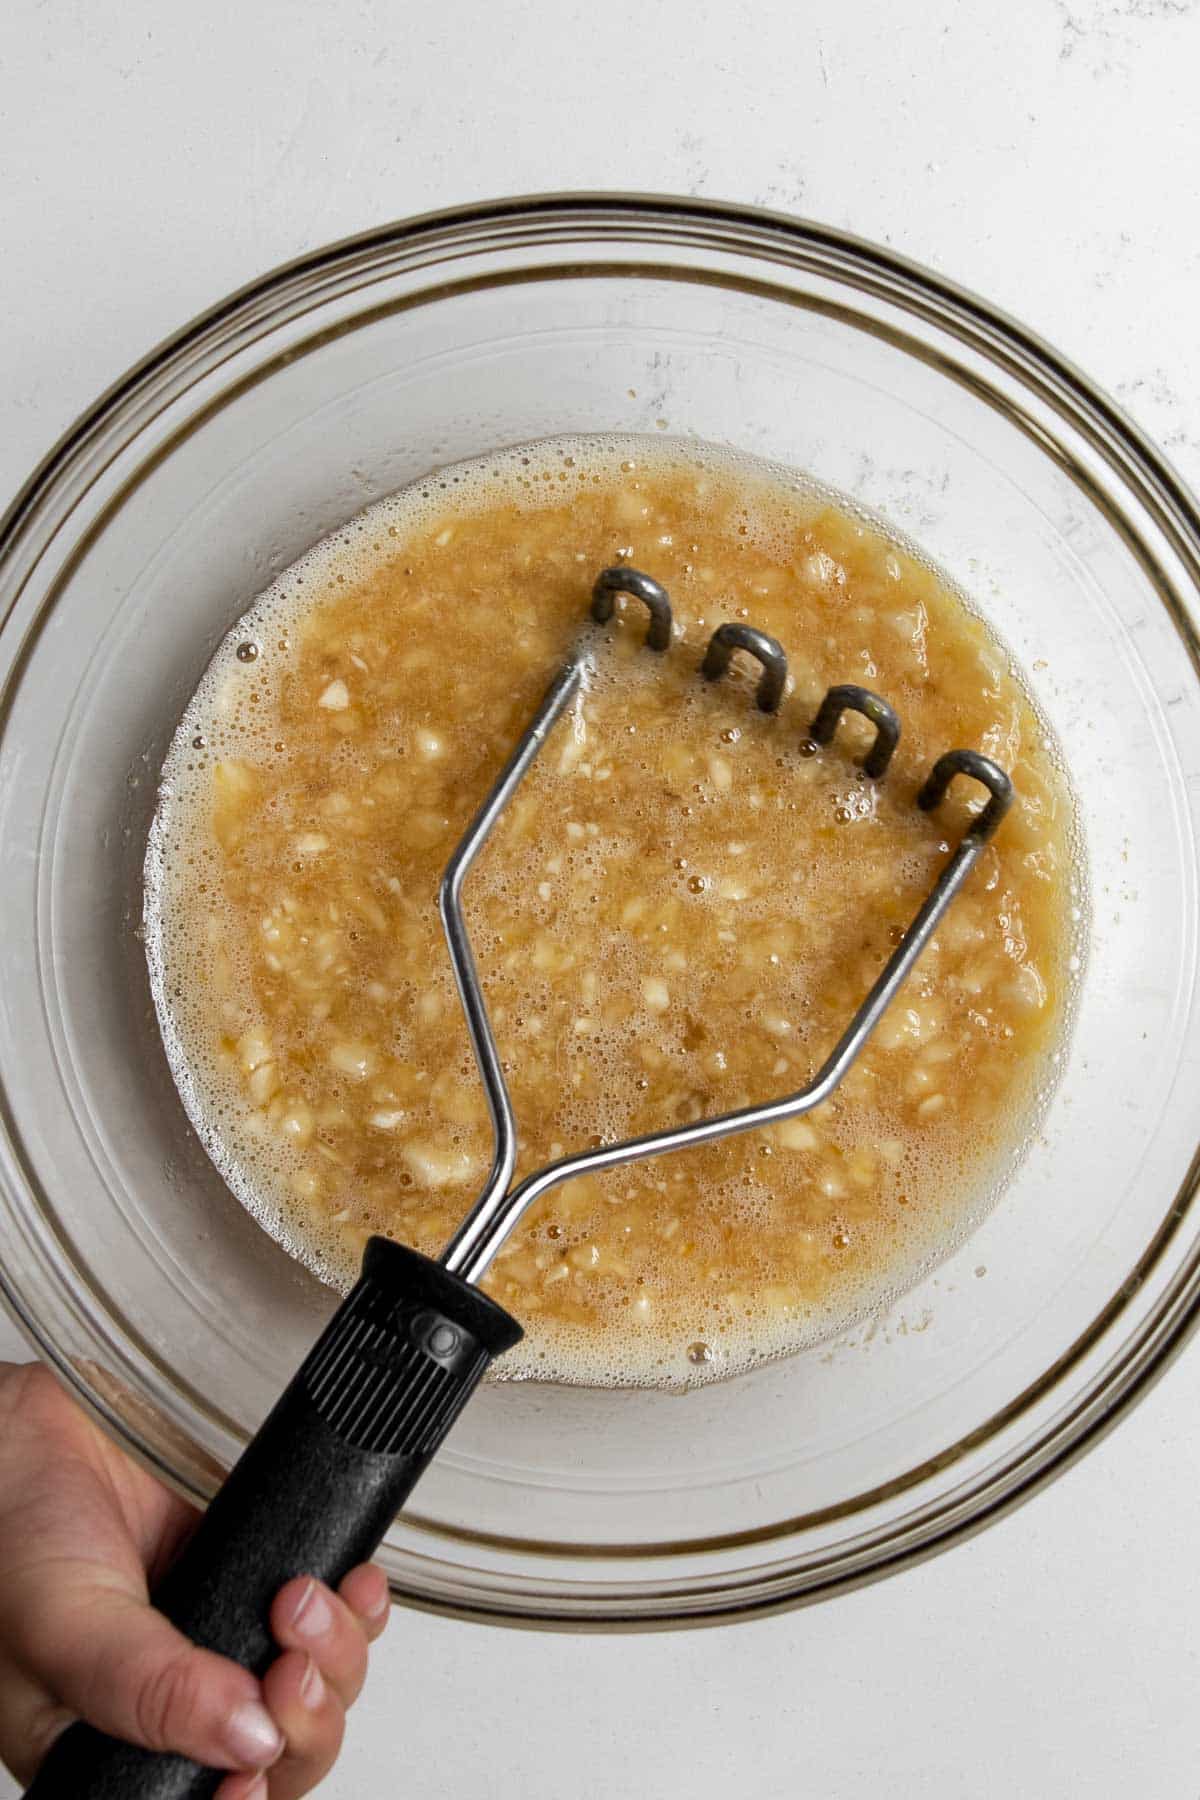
676,917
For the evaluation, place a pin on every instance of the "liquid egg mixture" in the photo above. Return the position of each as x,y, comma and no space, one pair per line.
677,915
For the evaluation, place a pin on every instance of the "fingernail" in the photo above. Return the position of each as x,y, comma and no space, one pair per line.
312,1687
383,1599
253,1735
256,1791
313,1614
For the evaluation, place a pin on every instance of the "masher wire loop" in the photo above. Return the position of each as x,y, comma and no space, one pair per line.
849,698
499,1207
611,582
979,768
767,651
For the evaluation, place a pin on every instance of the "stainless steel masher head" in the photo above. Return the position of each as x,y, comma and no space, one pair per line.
500,1205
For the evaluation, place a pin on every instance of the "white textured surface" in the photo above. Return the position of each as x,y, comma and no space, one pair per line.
155,156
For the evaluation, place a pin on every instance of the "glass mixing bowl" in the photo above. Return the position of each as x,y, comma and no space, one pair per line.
269,422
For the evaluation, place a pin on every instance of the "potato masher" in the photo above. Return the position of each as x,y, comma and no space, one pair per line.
315,1490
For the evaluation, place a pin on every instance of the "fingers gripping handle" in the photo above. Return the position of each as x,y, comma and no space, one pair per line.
314,1491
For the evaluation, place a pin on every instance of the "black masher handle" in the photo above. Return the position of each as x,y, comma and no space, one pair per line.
312,1494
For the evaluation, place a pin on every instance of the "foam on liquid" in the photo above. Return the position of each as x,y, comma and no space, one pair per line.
230,717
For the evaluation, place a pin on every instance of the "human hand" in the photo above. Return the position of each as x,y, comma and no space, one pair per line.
84,1532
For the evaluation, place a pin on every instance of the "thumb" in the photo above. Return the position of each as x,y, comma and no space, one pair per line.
107,1656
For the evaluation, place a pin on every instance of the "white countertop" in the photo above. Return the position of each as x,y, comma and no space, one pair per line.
155,155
